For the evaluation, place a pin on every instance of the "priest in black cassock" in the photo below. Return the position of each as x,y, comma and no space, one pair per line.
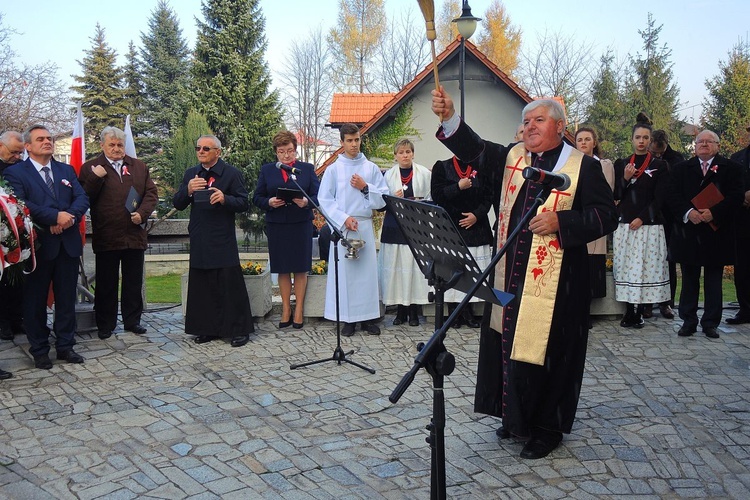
532,352
217,302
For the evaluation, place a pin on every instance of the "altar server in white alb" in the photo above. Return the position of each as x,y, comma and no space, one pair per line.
351,188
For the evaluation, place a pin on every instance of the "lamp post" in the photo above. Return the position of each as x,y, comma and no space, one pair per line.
467,25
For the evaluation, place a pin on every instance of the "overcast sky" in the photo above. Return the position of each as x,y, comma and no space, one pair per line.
700,33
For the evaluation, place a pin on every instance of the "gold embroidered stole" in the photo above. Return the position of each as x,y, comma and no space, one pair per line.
537,302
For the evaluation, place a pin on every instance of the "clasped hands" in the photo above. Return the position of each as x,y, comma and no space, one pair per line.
197,183
64,221
700,215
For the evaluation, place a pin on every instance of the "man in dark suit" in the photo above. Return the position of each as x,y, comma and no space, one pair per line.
57,203
118,237
703,237
11,294
742,233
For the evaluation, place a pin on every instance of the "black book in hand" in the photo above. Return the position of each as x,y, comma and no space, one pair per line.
133,201
288,195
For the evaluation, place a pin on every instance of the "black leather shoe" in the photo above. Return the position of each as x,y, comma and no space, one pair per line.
371,328
202,339
413,315
104,334
502,432
738,320
400,318
5,375
666,312
43,362
686,331
536,448
70,356
648,311
6,333
240,340
18,329
285,324
137,329
348,330
711,332
296,325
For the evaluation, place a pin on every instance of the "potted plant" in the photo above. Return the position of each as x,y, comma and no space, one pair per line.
315,295
259,288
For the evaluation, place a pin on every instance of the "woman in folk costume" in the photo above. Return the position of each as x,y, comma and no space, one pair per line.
588,143
401,281
466,194
640,247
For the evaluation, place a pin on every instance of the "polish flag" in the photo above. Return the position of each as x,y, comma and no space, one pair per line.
78,157
129,141
78,146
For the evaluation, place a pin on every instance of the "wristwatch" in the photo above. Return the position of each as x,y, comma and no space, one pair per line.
365,190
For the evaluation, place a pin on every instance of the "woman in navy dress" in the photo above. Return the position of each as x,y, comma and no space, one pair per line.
288,224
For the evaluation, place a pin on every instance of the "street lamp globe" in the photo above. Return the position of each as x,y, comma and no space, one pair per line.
467,23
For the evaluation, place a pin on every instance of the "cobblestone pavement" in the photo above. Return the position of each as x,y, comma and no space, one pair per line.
158,416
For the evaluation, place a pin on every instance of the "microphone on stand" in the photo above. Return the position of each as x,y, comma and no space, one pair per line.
291,170
561,182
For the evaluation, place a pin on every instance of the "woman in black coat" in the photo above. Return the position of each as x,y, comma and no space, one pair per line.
288,223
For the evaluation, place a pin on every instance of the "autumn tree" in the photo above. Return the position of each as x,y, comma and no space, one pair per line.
500,40
447,31
99,89
354,42
404,52
30,94
649,86
559,66
307,91
726,110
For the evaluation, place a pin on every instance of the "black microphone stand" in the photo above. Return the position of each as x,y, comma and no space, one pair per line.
338,353
438,362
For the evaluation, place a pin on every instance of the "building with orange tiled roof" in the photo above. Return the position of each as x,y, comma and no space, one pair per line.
356,108
493,103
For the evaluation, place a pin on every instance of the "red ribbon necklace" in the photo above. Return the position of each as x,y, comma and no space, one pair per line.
406,180
463,174
643,167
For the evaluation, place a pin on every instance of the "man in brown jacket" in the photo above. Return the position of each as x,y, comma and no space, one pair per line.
113,181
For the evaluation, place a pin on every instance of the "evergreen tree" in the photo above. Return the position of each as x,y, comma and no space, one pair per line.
231,87
166,78
183,148
166,72
605,113
650,86
133,91
726,110
99,89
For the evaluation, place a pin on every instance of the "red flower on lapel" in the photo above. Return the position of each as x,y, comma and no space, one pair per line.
714,169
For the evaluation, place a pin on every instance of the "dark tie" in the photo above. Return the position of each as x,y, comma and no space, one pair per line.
48,180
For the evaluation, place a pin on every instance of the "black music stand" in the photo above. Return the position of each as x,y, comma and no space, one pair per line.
338,353
433,239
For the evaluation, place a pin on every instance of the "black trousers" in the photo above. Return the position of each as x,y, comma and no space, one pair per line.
742,266
713,300
62,272
11,303
107,275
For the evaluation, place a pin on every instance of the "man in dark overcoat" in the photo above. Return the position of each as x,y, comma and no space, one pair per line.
119,234
703,237
217,302
532,352
742,234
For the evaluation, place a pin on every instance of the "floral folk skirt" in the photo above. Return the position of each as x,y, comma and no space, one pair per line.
640,264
